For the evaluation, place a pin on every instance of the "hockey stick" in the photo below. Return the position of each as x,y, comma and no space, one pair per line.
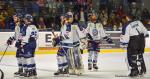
4,53
128,67
2,73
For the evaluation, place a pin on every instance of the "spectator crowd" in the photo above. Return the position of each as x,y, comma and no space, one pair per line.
47,13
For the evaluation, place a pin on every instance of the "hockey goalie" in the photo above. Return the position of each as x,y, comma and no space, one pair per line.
69,56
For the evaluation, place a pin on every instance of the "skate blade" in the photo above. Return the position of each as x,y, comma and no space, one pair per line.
121,76
16,75
66,75
79,74
89,69
126,76
34,77
142,75
22,77
95,70
61,75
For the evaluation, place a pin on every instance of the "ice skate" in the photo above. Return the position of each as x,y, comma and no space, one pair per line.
59,72
95,67
66,72
134,73
89,66
20,71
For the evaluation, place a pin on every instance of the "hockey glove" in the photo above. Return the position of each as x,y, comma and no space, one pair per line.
56,41
10,41
108,39
89,36
123,45
147,35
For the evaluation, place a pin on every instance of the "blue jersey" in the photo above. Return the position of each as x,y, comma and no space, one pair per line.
30,34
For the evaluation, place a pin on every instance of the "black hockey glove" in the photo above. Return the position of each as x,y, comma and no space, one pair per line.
56,41
89,36
9,41
147,35
123,45
108,39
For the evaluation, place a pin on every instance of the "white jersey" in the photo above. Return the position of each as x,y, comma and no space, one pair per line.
71,36
132,29
17,35
96,31
31,31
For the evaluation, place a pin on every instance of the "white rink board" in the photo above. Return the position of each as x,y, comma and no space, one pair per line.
4,36
45,40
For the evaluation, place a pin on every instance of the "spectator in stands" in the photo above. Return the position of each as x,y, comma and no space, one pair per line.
35,9
41,3
76,18
42,6
82,15
82,3
41,23
117,24
120,12
7,17
147,24
103,3
61,7
51,4
2,20
135,11
103,16
90,8
109,25
145,14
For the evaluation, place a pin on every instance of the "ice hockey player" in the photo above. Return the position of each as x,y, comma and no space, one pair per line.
18,38
29,44
71,39
133,37
95,32
62,51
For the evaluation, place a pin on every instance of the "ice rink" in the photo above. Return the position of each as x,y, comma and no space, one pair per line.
110,64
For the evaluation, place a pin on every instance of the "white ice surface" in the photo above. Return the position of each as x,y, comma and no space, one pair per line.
109,66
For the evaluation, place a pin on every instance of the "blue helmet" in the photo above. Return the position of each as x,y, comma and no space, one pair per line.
28,17
19,15
69,15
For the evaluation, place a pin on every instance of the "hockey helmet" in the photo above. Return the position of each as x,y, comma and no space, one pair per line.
69,17
18,15
28,17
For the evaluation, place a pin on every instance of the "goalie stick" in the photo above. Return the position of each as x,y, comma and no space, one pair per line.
2,73
128,67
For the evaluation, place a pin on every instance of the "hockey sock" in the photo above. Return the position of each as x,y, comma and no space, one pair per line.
90,57
95,57
65,62
20,65
60,62
24,63
33,63
29,63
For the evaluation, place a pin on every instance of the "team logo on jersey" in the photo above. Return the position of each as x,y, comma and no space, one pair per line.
95,32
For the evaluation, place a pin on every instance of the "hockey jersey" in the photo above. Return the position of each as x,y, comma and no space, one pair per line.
30,34
96,31
132,29
70,33
18,32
